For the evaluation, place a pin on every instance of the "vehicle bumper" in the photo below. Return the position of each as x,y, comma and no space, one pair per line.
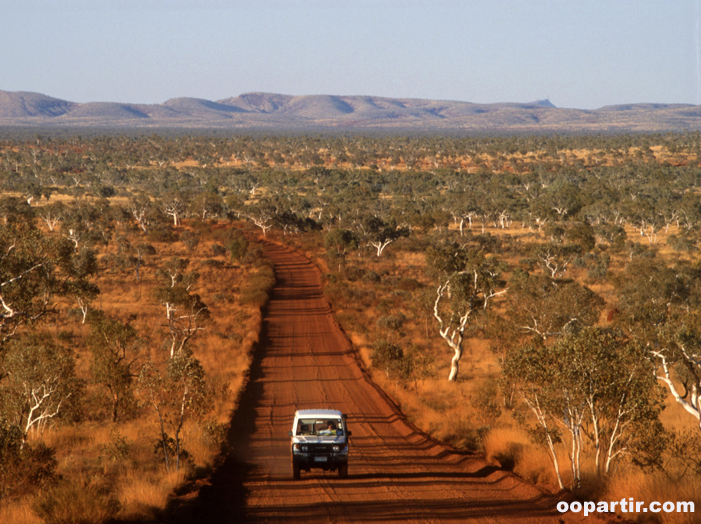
308,461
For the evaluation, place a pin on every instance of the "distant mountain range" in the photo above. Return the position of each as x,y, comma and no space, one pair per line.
267,111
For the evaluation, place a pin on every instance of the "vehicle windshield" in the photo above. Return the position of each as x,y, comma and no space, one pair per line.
319,426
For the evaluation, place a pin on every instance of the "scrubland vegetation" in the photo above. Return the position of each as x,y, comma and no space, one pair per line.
533,298
123,353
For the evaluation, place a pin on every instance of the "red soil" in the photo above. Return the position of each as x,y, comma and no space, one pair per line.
396,472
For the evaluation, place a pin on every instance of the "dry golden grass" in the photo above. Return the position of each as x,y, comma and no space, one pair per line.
656,487
143,495
139,480
19,512
445,409
510,447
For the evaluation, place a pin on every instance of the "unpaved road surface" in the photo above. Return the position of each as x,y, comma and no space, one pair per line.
396,473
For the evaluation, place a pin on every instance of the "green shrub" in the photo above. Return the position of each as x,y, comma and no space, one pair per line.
214,431
238,246
487,404
389,357
213,263
259,285
218,250
162,233
391,322
118,448
254,255
191,240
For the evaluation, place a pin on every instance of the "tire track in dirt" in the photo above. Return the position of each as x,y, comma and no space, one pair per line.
396,472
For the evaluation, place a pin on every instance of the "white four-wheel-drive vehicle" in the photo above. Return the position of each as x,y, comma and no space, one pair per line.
319,440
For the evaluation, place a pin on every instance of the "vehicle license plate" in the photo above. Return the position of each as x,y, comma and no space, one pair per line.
321,459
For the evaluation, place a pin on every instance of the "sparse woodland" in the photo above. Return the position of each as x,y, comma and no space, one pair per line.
533,298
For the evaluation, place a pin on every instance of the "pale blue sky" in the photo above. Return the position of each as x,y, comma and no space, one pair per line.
577,53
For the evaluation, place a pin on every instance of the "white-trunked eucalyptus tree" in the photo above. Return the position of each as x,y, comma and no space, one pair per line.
34,269
262,213
177,392
594,392
39,381
659,306
185,310
380,233
467,281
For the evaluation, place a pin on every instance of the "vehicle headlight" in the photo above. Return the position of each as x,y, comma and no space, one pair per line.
305,448
336,449
299,447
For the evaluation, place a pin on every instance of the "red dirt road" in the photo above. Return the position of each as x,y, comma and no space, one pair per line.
396,473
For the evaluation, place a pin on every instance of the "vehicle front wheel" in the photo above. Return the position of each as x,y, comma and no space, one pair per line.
296,471
343,471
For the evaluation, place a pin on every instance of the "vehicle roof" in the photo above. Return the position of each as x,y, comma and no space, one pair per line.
320,413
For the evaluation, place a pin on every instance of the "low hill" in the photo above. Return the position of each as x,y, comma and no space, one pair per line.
105,111
319,112
23,105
